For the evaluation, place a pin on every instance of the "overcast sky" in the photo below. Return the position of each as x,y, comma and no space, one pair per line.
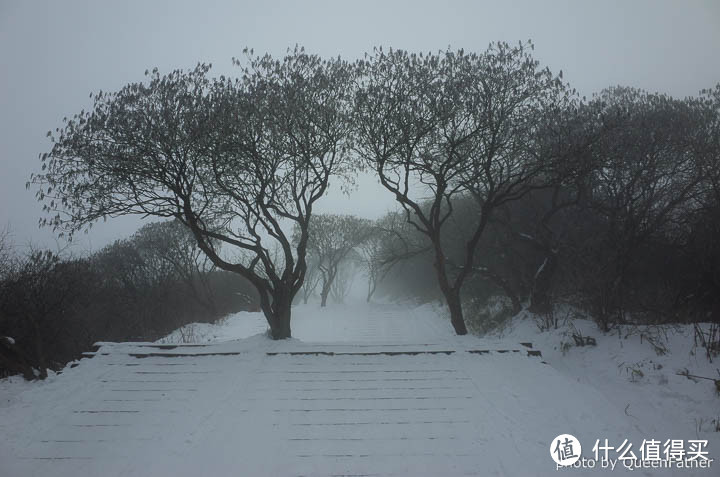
54,53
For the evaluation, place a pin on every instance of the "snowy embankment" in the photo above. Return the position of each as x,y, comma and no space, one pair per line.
378,390
657,374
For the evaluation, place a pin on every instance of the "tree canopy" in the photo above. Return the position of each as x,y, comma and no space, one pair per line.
439,127
464,142
238,161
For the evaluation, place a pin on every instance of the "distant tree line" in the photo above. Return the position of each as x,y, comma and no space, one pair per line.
333,244
53,308
506,180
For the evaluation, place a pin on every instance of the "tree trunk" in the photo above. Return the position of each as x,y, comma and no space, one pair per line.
281,330
540,301
277,314
372,285
456,312
324,294
452,294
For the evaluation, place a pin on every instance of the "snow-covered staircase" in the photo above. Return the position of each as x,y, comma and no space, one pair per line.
428,404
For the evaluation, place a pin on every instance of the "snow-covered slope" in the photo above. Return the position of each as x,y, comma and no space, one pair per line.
641,369
379,390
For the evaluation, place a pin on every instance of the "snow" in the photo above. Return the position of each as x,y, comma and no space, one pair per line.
368,390
334,323
9,340
541,268
627,369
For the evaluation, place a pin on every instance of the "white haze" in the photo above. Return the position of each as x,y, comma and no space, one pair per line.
53,54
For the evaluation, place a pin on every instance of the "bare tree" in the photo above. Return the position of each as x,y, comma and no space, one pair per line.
6,252
312,278
371,256
440,127
332,238
343,281
38,288
238,162
647,171
173,243
389,241
708,150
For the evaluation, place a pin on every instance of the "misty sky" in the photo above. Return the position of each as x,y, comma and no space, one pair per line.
54,53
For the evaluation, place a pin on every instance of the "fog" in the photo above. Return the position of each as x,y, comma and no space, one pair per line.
55,53
553,271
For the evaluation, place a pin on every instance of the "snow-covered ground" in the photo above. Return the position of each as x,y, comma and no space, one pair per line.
360,390
334,323
641,369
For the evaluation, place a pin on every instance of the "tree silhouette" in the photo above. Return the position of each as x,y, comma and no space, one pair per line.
445,126
238,162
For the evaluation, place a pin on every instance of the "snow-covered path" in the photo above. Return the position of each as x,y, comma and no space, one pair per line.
376,390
